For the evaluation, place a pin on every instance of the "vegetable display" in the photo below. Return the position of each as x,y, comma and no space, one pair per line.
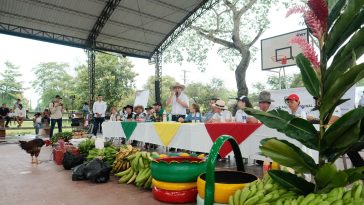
107,154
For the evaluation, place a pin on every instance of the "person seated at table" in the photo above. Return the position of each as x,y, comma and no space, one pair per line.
158,112
129,115
221,113
149,114
293,102
314,115
265,101
114,116
20,114
194,115
241,116
139,113
209,114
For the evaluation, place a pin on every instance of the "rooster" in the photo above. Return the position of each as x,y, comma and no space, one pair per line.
33,148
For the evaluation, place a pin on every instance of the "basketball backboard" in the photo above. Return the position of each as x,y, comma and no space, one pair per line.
278,52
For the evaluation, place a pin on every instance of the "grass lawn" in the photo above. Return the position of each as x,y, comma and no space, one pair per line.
31,130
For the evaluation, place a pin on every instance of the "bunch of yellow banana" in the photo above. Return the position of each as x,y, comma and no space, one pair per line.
139,171
267,192
121,163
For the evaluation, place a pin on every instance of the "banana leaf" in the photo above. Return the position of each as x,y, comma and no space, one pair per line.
340,179
338,34
309,76
288,154
342,84
292,182
354,174
325,175
293,127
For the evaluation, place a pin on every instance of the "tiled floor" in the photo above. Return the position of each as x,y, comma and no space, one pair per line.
46,183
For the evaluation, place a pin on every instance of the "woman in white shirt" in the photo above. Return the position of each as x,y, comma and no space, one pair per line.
20,114
240,115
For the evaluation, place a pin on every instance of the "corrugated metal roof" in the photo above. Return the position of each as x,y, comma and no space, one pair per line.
135,27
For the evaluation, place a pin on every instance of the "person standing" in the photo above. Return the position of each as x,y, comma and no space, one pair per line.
179,102
99,110
4,114
56,109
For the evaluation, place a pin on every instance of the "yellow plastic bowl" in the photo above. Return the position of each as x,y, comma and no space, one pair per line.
226,183
173,186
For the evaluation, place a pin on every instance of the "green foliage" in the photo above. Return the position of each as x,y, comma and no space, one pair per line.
10,86
292,182
339,48
85,146
66,136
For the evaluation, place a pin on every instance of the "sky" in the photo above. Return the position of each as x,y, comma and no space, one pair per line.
27,53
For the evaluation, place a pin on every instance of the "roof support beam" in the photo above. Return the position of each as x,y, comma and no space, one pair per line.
101,21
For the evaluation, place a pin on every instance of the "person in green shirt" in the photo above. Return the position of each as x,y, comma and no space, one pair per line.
158,114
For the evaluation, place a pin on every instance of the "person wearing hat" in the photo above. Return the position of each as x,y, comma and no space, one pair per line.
241,116
221,112
265,101
179,102
293,102
99,110
129,115
210,113
150,112
56,110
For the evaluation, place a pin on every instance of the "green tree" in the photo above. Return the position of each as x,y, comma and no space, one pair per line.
53,79
167,82
233,26
114,80
10,86
202,93
292,81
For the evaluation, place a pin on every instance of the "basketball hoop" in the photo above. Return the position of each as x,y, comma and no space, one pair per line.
281,59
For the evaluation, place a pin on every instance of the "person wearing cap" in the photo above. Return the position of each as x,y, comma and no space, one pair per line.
210,113
150,112
221,112
179,102
99,109
241,116
265,101
314,115
158,112
56,110
293,102
129,115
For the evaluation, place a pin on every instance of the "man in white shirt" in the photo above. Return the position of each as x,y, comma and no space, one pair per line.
293,102
221,113
265,101
179,102
56,109
99,110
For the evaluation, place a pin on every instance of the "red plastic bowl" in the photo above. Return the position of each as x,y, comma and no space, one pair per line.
175,197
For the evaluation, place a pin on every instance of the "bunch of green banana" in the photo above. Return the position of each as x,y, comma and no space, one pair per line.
139,171
121,163
266,192
261,192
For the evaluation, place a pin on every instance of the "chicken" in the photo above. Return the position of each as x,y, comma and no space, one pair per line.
33,147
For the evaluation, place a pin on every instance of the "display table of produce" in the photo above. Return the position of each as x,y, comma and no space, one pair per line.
197,137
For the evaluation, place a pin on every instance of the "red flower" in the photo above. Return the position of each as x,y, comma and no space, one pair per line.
307,51
320,10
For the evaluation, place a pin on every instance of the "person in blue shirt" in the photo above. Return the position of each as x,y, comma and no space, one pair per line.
194,115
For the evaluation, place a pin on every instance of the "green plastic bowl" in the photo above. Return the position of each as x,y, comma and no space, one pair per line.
178,169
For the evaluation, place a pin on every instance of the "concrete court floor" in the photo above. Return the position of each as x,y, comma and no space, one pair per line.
47,183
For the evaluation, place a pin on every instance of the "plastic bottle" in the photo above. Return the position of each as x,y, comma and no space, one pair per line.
164,116
170,117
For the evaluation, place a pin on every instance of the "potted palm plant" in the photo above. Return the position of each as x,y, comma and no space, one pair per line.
338,28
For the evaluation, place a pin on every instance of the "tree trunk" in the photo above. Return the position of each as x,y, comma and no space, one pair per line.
240,74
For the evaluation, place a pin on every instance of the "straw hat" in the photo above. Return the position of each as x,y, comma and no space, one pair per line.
177,85
220,104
